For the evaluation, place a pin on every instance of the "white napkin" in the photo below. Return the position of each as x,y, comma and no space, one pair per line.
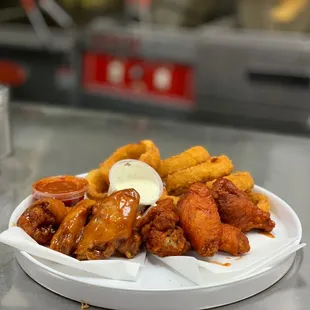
113,268
207,271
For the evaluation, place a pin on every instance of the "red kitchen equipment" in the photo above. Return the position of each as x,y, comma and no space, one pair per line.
143,65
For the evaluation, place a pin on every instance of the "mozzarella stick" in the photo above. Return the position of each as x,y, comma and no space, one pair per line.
242,180
213,168
191,157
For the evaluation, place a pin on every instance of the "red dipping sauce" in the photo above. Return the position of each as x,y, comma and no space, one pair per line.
69,189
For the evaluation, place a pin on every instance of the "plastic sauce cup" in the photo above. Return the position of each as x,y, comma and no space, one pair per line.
131,173
69,189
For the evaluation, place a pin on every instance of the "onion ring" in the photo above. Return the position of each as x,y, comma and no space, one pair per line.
98,186
213,168
242,180
191,157
151,154
145,151
165,195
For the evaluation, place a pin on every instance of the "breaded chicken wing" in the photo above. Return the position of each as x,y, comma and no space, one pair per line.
200,220
41,220
167,243
112,222
233,241
70,230
160,231
236,209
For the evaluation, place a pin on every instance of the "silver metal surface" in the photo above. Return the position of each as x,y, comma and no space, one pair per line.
23,36
53,141
5,128
253,73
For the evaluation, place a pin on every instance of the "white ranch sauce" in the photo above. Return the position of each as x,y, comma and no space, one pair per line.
147,189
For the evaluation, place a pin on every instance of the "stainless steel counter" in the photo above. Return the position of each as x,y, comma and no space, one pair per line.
55,141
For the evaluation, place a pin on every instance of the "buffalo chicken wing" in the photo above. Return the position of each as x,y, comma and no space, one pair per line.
111,223
160,231
236,209
200,220
41,220
70,231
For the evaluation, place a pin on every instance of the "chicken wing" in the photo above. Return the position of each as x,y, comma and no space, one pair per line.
41,220
236,209
131,247
234,241
70,230
200,220
112,221
160,231
167,243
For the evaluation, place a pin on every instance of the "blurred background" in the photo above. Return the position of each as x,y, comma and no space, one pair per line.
80,78
234,62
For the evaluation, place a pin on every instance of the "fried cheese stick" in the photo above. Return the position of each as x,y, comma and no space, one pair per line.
213,168
260,200
242,180
191,157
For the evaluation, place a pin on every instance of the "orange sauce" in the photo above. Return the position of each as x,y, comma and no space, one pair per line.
69,189
221,264
59,185
267,234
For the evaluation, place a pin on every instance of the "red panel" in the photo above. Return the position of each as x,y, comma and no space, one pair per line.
11,73
28,5
178,79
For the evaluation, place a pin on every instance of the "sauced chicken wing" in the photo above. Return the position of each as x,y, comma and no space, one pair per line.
41,220
160,231
69,233
111,223
236,209
233,241
200,220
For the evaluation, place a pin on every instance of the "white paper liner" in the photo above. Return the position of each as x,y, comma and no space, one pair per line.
113,268
265,252
202,272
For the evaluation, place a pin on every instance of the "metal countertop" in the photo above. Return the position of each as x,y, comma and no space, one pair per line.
50,141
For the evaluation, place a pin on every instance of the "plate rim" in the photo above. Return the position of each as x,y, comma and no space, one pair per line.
191,288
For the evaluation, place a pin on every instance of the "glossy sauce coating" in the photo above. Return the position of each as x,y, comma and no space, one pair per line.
112,222
70,230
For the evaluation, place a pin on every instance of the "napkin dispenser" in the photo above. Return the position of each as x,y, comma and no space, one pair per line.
5,128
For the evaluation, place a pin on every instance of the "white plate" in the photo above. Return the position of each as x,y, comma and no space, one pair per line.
158,287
